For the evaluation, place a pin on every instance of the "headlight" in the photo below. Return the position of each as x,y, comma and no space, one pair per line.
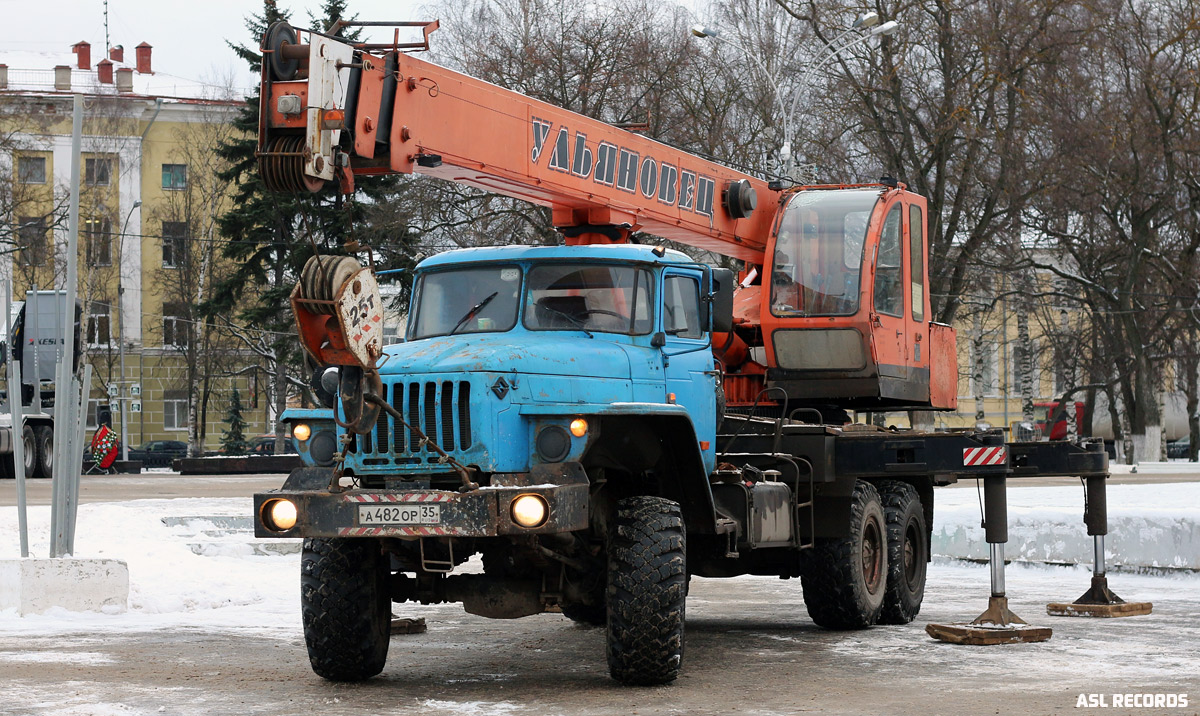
279,515
529,511
579,427
322,447
553,443
301,432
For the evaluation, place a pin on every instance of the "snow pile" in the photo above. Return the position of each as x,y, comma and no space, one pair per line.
1148,525
192,562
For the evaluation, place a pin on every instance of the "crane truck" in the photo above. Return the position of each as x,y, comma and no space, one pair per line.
602,420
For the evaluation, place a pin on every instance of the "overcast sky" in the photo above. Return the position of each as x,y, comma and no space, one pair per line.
188,36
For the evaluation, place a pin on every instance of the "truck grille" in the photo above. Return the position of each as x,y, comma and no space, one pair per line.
439,409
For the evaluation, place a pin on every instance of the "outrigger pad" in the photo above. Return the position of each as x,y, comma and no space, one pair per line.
977,635
407,625
1099,601
997,625
1124,609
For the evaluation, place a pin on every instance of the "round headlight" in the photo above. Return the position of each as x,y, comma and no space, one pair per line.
579,427
322,447
529,511
553,443
279,515
301,432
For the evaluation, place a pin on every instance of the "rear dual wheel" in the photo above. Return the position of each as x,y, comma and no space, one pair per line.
908,552
845,578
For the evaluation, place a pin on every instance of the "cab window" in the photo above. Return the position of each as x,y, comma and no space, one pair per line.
916,243
889,289
681,307
590,297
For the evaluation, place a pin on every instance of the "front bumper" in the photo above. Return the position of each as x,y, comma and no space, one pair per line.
480,513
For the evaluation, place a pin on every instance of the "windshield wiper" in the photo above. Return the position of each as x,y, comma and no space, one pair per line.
578,323
471,313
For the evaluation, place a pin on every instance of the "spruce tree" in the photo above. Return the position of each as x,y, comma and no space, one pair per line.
271,235
234,439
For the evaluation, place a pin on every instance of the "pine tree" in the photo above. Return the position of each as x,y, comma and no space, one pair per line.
234,439
272,235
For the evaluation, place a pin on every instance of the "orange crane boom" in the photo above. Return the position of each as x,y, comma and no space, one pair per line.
601,182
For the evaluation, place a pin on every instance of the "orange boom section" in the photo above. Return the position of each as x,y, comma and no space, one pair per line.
406,115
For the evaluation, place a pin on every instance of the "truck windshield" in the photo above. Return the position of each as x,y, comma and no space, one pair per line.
589,297
819,252
468,300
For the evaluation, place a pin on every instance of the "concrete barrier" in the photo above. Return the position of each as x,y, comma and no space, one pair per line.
32,586
237,465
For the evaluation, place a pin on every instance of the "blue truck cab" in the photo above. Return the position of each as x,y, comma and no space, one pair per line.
524,357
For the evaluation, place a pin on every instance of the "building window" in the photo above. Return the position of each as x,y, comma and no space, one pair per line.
97,233
174,237
31,233
31,170
174,176
99,324
175,325
175,410
97,171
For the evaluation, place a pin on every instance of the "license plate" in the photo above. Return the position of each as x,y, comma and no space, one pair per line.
399,514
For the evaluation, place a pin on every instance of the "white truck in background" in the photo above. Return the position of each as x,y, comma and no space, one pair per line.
35,328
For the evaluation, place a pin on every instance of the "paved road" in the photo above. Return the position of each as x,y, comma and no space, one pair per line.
751,649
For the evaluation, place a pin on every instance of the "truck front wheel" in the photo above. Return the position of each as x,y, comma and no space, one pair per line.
346,607
845,578
647,586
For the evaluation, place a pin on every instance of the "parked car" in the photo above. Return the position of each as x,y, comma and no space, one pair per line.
1179,448
265,445
159,453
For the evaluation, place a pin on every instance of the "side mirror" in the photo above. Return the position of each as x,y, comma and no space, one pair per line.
723,283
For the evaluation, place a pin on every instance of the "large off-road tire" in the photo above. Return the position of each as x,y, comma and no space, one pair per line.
845,578
346,607
908,552
44,439
647,587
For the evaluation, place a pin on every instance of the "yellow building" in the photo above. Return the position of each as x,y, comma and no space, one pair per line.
148,242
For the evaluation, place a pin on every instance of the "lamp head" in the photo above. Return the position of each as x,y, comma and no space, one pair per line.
886,28
865,20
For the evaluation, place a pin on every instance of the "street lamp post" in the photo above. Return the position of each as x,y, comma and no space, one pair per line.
832,51
867,24
121,400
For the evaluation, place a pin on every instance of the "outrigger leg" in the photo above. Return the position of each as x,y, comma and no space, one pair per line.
997,624
1098,600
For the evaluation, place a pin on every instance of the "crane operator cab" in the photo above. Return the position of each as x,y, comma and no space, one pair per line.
846,315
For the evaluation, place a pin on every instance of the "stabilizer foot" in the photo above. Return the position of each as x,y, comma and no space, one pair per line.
1099,601
997,625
